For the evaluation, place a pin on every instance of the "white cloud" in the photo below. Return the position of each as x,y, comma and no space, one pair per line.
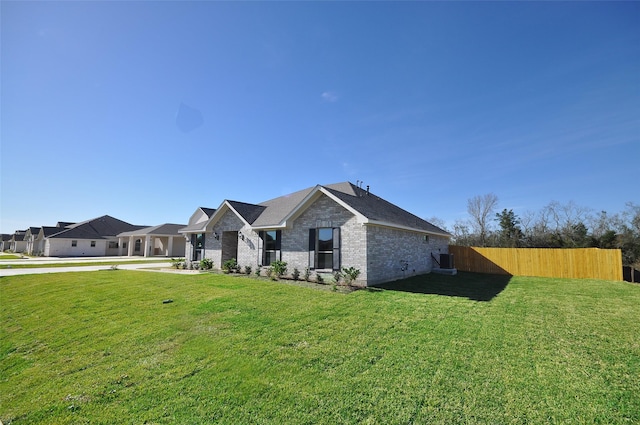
329,96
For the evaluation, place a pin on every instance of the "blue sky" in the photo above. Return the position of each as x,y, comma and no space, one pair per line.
147,110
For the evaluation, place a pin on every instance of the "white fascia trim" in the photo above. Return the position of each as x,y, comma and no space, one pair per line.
199,230
410,229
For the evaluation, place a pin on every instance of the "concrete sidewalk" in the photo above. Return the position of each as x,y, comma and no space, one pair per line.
58,260
89,268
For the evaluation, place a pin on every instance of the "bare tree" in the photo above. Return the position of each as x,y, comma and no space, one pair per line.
437,221
481,209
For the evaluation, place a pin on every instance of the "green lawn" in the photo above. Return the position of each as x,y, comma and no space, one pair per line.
102,348
10,257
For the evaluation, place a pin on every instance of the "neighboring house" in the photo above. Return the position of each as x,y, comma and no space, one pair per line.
46,232
17,242
323,228
30,238
5,242
96,238
161,240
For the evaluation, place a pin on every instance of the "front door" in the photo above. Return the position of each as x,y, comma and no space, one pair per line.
197,242
229,246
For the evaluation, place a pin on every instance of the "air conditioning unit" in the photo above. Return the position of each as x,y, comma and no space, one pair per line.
446,261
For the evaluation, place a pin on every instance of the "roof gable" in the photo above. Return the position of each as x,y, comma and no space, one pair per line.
200,215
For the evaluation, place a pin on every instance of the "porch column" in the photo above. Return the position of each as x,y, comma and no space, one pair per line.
119,247
170,249
147,245
130,247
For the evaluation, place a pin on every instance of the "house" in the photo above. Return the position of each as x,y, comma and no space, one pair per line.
5,241
96,237
17,242
47,231
30,238
163,239
323,228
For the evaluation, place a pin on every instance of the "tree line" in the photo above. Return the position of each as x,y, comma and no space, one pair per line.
556,225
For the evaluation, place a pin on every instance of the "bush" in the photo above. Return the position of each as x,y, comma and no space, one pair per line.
337,276
230,266
258,272
247,270
278,268
350,274
176,263
319,278
206,264
307,274
296,274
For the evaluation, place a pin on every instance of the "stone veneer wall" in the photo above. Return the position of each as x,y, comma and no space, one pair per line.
396,254
229,222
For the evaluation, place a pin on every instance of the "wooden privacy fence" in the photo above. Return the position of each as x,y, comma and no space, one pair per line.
605,264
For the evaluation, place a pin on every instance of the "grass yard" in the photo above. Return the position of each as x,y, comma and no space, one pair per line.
5,256
102,348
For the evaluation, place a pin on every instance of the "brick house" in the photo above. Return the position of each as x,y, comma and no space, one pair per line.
323,228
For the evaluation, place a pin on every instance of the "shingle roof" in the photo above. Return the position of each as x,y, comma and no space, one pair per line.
274,212
97,228
167,229
208,211
50,230
6,237
375,208
250,212
278,208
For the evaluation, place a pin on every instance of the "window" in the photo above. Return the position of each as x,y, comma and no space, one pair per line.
124,244
136,247
198,241
74,243
270,244
93,244
113,245
324,248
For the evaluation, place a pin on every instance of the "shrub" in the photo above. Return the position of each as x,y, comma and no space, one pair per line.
296,274
307,274
337,276
319,278
258,272
350,274
247,270
176,263
230,266
278,268
206,264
